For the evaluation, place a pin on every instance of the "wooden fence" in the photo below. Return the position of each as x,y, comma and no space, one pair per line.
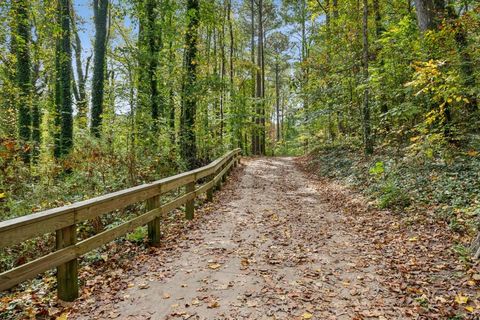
63,221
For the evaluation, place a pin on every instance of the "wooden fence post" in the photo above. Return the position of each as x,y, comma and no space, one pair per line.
218,186
224,177
210,190
67,273
190,205
153,226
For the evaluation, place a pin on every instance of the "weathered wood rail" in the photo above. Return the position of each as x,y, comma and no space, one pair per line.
63,221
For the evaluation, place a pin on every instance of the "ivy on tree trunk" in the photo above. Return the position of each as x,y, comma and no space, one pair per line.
189,99
21,43
100,13
63,83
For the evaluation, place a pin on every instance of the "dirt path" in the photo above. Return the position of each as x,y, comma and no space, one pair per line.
271,250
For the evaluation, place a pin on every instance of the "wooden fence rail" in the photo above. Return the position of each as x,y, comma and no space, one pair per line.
63,221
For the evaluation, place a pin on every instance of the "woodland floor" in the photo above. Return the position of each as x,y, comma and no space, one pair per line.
279,244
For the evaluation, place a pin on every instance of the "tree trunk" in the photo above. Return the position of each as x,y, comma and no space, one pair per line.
222,75
263,131
277,97
367,139
153,49
378,32
23,74
233,107
189,103
429,13
100,13
252,60
81,97
63,85
171,99
259,94
304,69
475,247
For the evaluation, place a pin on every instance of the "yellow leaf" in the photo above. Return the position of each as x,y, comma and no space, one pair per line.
413,239
2,195
63,316
307,315
461,299
213,304
469,309
214,266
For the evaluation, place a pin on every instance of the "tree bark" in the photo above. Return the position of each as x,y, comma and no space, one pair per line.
63,85
189,103
81,97
259,94
22,39
367,138
153,48
429,13
252,60
277,97
100,13
222,73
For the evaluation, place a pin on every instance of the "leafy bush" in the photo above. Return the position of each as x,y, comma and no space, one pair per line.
393,196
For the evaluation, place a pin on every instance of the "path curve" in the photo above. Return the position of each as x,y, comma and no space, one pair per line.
272,250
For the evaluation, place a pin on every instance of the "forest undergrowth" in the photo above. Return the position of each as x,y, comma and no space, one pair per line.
414,187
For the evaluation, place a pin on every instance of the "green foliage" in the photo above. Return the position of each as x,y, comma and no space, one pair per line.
422,85
463,252
378,169
450,189
137,236
392,196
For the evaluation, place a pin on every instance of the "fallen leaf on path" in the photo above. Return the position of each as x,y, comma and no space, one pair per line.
63,316
469,309
461,299
307,315
213,304
214,266
143,286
